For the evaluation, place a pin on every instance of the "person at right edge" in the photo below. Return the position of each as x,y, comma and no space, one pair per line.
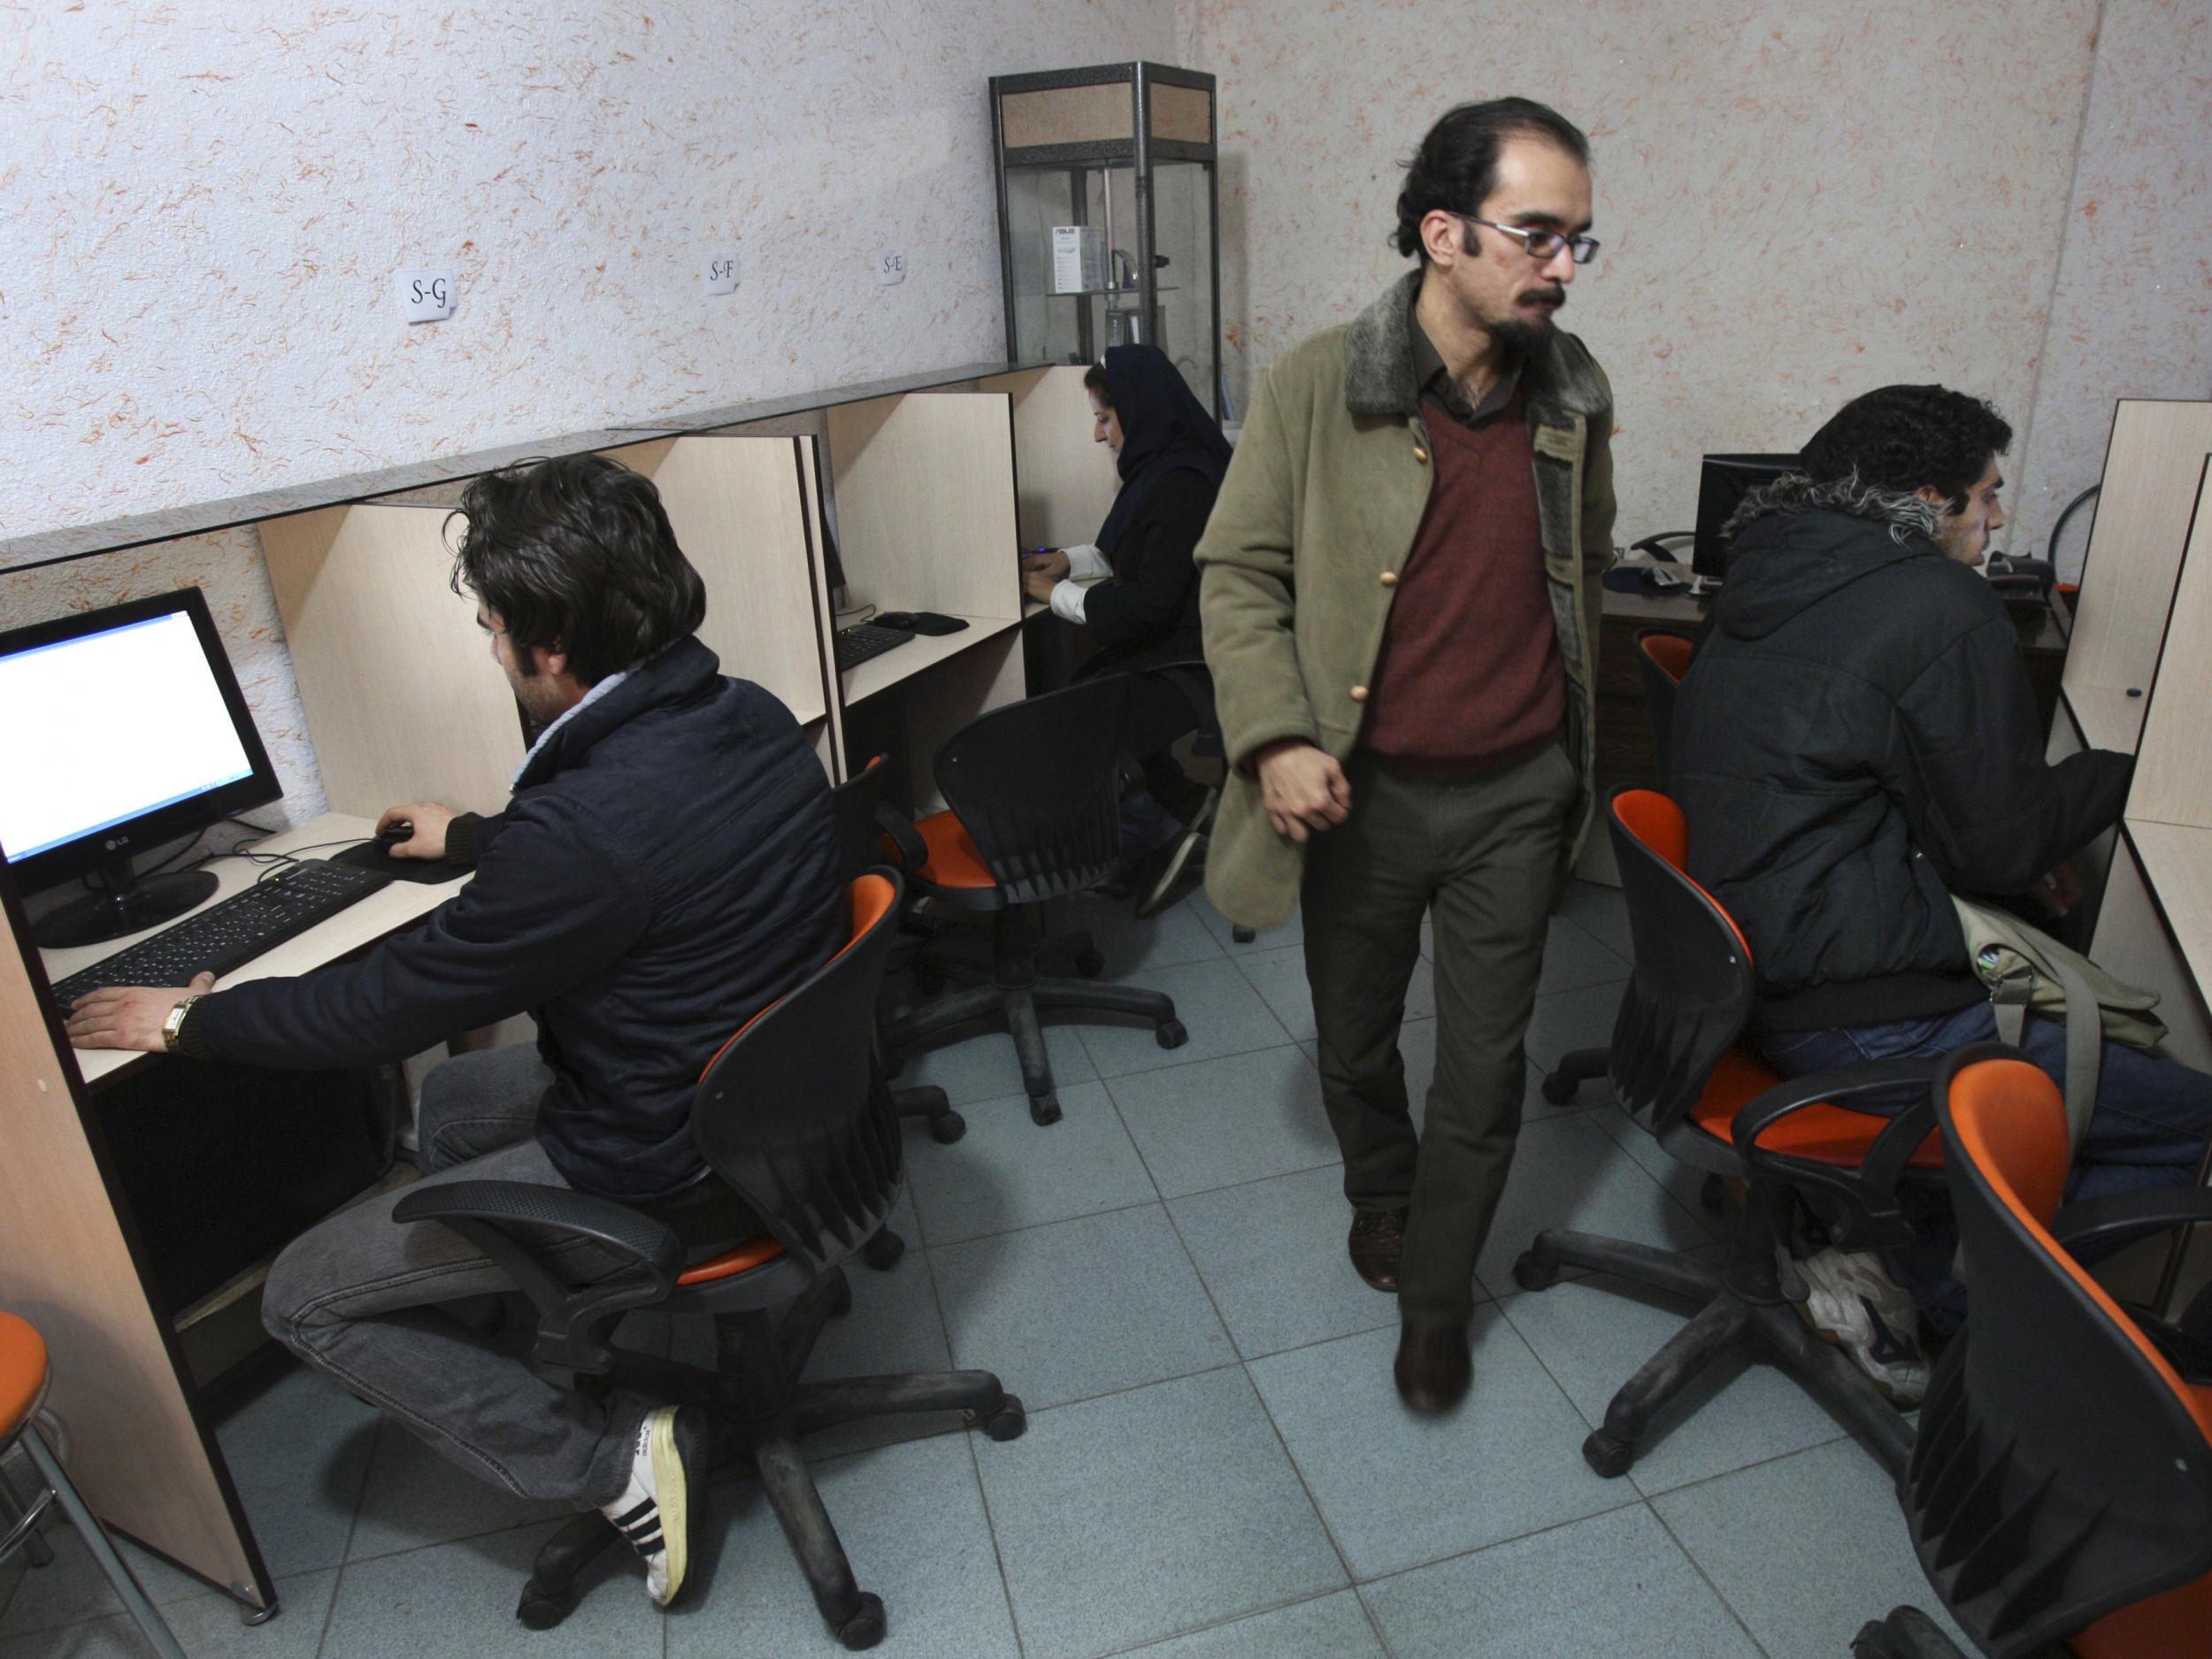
1855,741
1399,594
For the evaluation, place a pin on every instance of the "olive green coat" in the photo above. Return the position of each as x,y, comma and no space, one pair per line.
1319,513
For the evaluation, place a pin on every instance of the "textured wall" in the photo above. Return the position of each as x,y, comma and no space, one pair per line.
2132,313
1799,200
201,207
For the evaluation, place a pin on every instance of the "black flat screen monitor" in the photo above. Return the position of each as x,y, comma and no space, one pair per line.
120,729
1723,481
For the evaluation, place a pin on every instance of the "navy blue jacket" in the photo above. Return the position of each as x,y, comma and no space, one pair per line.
665,869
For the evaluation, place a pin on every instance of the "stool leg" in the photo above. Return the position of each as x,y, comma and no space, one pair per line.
142,1612
12,1509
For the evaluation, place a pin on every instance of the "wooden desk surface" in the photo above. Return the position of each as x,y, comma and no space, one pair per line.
2106,717
2177,861
336,936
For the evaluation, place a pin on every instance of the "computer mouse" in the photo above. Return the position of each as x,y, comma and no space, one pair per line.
920,621
397,831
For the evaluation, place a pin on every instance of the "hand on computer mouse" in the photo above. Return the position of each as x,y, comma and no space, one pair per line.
425,839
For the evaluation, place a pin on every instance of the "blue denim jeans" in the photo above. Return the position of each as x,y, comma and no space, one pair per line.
2150,1129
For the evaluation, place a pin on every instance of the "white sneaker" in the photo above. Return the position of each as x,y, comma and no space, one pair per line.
666,1500
1851,1302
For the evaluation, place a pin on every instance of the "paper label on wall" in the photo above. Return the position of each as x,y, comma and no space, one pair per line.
718,272
424,296
890,267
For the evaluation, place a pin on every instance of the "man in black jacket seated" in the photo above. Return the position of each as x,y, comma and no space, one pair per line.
1855,741
664,870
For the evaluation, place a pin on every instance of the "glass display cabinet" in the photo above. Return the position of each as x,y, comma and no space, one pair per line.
1110,215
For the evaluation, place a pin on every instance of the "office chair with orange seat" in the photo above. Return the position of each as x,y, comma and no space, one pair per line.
2062,1486
1662,660
787,1117
1033,813
1678,1069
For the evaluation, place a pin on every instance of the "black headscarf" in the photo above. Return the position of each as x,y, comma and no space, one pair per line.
1163,429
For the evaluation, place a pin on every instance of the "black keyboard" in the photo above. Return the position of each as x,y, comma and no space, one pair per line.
243,926
863,640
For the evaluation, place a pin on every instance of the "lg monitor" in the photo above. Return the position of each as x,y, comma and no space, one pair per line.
120,729
1723,481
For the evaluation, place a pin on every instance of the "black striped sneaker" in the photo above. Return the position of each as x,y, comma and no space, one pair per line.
660,1511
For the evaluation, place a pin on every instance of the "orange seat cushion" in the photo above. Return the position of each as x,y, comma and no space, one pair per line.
1820,1134
954,860
22,1371
737,1259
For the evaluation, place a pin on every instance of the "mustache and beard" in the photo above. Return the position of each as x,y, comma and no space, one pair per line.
1519,335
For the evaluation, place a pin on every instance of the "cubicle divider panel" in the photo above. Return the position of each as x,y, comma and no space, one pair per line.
736,506
2134,943
829,741
2173,762
137,1449
402,699
924,490
986,677
1064,480
2152,472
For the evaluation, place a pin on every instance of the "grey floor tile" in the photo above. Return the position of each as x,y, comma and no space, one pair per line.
1572,1019
1272,1253
1591,1335
1329,1627
1615,1585
1687,1184
1125,1520
414,1497
1806,1549
1008,1172
1574,959
1216,1003
1568,1172
298,1449
984,1067
457,1601
71,1587
1176,936
911,1520
1237,1118
1398,1491
1079,1308
205,1626
1280,977
1601,912
1291,933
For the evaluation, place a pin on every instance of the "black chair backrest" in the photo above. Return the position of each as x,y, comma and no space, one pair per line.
853,803
785,1114
1689,991
2059,1474
1662,660
1037,784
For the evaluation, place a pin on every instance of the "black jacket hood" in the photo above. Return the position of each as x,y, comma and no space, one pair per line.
1795,543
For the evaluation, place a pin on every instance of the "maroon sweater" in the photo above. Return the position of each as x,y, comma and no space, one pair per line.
1468,677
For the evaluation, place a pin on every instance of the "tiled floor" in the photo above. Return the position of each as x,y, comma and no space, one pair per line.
1216,1466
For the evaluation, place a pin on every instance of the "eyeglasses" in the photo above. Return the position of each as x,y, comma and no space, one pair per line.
1541,245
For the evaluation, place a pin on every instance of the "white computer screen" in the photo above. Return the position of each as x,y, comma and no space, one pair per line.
105,728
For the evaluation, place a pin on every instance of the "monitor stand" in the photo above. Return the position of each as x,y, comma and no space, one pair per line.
129,904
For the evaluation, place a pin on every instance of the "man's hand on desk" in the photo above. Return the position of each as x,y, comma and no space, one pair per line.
429,819
129,1016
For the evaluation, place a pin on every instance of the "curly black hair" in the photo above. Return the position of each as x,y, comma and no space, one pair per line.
1904,437
1456,167
576,555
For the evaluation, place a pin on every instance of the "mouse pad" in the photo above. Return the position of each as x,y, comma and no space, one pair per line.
369,856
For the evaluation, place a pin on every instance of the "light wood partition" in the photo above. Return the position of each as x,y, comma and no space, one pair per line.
402,699
2173,764
1064,480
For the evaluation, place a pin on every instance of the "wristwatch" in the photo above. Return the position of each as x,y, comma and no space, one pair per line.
172,1027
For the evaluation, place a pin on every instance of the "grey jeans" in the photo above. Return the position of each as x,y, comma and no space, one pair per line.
374,1303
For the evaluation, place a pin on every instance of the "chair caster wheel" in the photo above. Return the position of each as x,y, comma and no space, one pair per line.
1008,1422
1531,1274
882,1253
1607,1457
947,1127
1559,1088
864,1627
1044,1108
1089,963
542,1610
1170,1034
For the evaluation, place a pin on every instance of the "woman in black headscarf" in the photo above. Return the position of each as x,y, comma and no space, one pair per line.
1135,592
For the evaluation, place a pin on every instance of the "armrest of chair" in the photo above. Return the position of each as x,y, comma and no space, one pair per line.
2107,1222
913,852
1869,1217
498,1217
1653,544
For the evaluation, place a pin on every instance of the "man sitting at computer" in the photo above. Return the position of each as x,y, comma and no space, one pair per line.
664,870
1856,742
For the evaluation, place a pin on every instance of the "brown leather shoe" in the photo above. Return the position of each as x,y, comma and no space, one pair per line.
1433,1368
1378,1240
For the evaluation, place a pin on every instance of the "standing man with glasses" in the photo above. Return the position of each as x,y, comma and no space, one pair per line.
1400,590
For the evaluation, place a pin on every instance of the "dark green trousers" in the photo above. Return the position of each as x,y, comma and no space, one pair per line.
1480,854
